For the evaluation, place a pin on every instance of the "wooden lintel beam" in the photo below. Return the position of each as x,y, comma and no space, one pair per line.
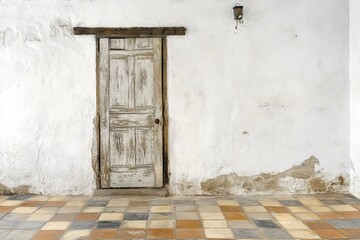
130,32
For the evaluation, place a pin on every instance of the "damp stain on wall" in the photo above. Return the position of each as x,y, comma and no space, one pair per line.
301,178
19,190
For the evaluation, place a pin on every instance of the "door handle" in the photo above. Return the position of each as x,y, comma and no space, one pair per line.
157,121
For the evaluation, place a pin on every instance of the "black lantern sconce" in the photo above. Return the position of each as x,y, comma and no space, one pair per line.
238,14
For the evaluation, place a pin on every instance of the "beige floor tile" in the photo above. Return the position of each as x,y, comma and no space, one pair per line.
296,209
39,198
209,209
158,209
187,216
219,233
47,210
307,216
56,225
343,208
118,202
133,224
75,234
11,203
320,209
212,215
283,216
111,217
161,224
94,209
215,224
254,209
303,234
115,209
310,201
293,225
243,224
70,210
222,202
75,204
285,197
270,203
59,198
25,209
138,209
40,217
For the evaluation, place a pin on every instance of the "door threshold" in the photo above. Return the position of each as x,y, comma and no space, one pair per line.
156,192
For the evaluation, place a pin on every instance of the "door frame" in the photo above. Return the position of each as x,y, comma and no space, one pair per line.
133,32
96,155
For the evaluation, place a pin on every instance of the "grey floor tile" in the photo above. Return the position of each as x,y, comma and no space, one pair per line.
82,225
20,198
136,216
30,225
332,202
266,224
183,202
97,203
3,233
2,215
20,235
16,216
9,225
342,223
246,233
290,202
108,224
273,233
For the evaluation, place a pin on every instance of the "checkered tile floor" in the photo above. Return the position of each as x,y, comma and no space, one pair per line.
235,217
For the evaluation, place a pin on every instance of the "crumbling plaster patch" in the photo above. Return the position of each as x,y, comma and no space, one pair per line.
303,178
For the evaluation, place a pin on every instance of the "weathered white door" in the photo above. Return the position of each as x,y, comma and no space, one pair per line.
130,106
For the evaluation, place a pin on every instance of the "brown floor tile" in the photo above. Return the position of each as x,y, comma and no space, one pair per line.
138,203
190,233
350,215
87,216
4,209
160,233
231,208
318,224
64,217
102,234
32,204
54,204
234,216
131,234
277,209
329,233
330,215
351,233
48,235
188,224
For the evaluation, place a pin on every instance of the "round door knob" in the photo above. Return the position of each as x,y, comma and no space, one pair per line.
157,121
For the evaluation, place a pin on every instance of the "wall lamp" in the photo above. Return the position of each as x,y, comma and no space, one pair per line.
238,14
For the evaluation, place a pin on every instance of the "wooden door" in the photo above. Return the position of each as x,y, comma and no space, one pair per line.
130,106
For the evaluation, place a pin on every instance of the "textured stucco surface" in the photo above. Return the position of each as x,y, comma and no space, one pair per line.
262,99
355,95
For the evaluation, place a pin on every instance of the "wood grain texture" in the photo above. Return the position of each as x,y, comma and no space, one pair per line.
104,111
130,101
130,32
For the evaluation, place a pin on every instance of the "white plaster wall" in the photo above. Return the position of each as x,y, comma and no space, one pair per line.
283,78
355,95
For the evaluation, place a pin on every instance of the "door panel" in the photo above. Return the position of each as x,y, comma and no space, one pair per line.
130,102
